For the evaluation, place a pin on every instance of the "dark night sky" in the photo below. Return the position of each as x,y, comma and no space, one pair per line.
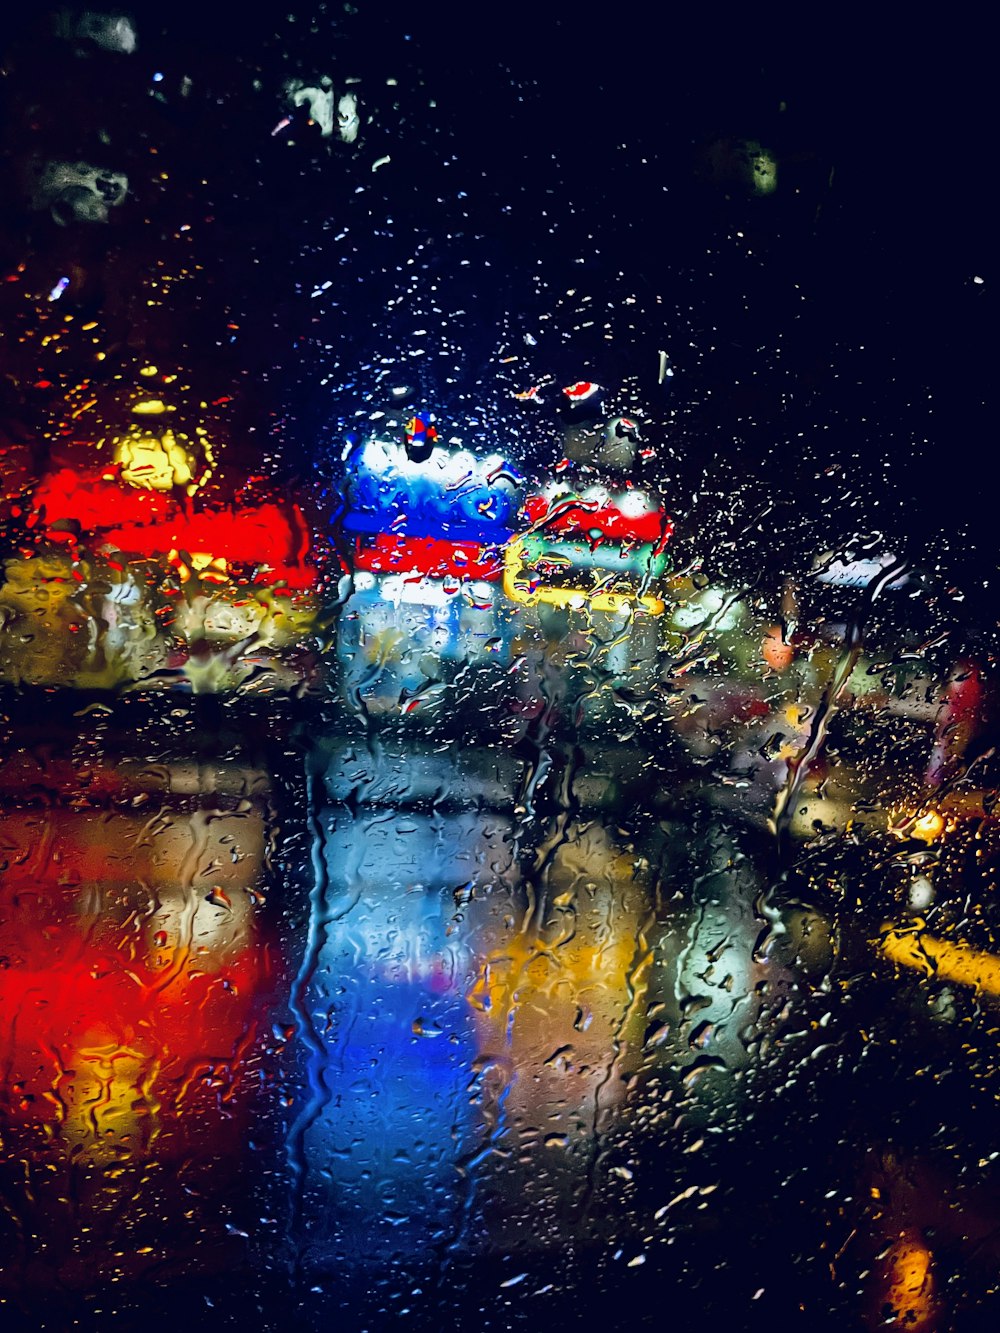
829,340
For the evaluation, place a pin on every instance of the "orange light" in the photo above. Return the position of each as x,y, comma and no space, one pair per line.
943,960
775,651
925,827
907,1286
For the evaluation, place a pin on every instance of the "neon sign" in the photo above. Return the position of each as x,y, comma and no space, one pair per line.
430,556
149,523
444,513
597,550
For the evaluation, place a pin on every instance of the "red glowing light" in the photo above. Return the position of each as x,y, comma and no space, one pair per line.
429,556
271,537
260,536
97,502
651,526
581,391
171,1019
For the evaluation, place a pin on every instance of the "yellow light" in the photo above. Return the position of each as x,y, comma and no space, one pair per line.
926,827
941,959
150,407
213,569
113,1096
577,599
152,464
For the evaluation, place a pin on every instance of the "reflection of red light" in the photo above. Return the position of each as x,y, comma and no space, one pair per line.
61,1010
261,536
153,523
652,526
579,392
95,502
430,556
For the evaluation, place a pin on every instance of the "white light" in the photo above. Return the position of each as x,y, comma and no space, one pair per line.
858,573
403,588
635,503
382,458
921,893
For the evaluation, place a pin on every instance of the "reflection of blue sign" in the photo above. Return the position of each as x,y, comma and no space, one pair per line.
389,1036
390,627
452,494
382,1156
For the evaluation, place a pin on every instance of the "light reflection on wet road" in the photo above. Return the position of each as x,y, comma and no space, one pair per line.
609,1044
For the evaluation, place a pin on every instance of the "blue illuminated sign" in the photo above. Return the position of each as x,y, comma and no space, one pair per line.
452,494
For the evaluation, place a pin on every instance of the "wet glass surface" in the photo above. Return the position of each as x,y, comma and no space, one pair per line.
497,675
